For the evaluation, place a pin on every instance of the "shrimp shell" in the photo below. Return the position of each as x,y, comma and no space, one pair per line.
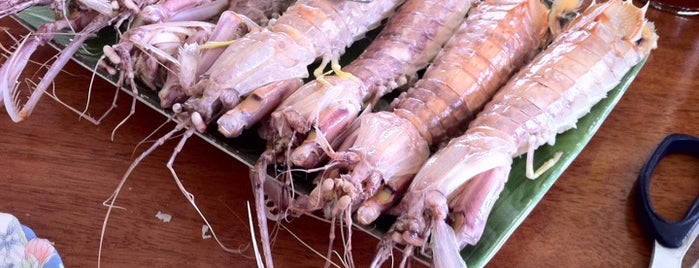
400,50
453,91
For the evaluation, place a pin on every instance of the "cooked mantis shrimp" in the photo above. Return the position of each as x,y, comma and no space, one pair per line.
274,60
309,29
545,98
196,59
197,56
331,103
242,17
388,148
155,46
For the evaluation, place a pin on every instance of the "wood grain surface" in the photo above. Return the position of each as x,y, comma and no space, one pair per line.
56,170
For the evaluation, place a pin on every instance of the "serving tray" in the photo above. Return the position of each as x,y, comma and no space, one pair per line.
517,200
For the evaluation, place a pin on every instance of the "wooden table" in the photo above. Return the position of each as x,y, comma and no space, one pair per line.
56,171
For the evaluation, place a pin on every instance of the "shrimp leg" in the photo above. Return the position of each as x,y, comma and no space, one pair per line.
258,104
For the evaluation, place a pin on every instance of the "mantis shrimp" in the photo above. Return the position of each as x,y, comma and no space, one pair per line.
272,59
388,148
331,103
251,14
547,97
277,56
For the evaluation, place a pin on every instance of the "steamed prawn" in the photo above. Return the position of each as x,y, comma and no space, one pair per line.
547,97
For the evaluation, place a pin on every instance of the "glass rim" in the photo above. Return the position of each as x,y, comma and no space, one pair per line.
679,10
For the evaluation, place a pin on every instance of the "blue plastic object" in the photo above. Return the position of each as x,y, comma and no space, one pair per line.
669,234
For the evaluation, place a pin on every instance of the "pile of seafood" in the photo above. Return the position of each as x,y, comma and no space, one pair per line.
423,124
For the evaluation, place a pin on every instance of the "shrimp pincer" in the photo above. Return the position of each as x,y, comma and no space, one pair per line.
86,21
496,38
93,15
547,97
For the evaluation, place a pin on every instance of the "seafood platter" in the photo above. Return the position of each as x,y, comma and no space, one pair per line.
436,126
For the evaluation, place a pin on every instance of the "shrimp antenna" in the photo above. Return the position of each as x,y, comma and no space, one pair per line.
329,261
190,197
258,176
331,239
112,199
258,258
407,253
150,135
84,113
134,92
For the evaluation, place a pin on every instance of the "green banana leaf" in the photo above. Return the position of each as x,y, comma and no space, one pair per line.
516,201
521,194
